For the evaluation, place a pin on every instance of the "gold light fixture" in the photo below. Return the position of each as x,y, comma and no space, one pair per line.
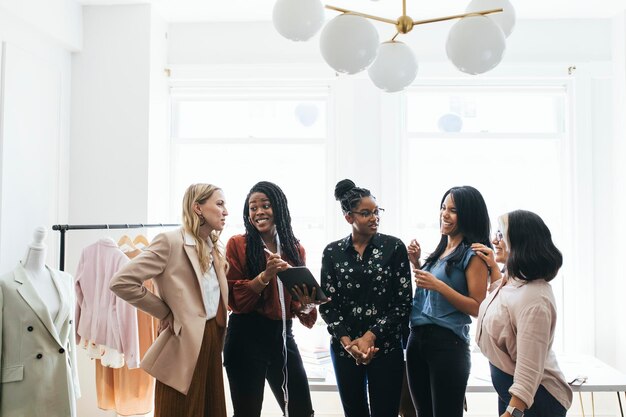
404,24
349,42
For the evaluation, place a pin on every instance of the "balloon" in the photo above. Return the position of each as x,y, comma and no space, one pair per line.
306,114
450,122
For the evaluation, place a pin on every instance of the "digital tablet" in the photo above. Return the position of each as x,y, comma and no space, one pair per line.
298,275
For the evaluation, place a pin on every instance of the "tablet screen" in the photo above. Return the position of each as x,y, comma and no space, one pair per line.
298,275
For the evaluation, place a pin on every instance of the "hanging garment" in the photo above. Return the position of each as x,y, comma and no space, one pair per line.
103,319
37,352
129,391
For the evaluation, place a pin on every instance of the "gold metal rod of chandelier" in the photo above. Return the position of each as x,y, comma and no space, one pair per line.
457,16
404,23
368,16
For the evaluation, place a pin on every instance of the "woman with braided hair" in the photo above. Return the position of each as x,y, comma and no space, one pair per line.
367,276
256,349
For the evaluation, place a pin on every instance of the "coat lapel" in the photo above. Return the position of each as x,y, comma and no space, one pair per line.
29,294
190,250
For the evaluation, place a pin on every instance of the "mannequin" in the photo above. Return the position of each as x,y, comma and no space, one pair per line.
34,264
37,338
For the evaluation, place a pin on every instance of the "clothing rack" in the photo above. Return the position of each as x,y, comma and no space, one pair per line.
62,228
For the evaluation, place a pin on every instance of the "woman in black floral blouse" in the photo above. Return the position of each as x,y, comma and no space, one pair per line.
368,278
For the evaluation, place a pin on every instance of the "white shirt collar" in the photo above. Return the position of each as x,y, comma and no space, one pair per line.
189,240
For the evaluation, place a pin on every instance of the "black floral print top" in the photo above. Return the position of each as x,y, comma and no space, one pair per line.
372,292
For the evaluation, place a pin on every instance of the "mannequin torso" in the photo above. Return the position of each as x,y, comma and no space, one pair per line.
35,265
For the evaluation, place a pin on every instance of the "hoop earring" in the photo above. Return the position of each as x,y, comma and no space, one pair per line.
202,220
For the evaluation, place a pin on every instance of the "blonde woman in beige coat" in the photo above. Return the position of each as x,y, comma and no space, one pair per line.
188,269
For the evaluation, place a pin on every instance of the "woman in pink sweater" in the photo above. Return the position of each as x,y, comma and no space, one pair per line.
516,323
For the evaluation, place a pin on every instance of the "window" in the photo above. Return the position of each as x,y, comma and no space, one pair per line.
515,157
235,138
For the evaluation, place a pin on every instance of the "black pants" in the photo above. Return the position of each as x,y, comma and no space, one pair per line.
438,367
545,405
382,378
253,353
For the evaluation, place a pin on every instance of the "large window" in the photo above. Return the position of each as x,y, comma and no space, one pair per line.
511,142
507,141
236,137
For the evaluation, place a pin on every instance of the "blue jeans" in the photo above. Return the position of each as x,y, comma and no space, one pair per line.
544,405
438,365
382,378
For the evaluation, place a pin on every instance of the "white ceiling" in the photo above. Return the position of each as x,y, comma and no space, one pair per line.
261,10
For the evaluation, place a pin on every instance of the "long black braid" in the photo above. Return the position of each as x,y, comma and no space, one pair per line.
289,245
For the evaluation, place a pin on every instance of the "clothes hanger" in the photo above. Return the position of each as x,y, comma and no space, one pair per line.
140,241
126,241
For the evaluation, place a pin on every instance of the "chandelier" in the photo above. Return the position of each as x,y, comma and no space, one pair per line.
349,43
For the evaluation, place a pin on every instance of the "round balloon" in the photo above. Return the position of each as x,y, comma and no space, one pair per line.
306,114
450,122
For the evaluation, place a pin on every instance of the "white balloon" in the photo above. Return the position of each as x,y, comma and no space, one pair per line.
475,44
298,20
394,68
504,19
349,43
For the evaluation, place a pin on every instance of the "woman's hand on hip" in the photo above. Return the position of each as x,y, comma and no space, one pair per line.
166,323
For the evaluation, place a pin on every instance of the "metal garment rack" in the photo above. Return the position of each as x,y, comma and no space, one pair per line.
62,228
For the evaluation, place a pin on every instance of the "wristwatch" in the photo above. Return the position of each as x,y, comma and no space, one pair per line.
514,412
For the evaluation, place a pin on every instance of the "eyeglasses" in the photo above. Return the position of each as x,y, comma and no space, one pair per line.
499,236
366,214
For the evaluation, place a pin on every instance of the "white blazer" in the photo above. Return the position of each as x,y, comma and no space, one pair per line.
37,352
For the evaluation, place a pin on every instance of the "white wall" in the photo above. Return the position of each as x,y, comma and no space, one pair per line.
158,125
57,20
119,136
34,135
618,220
252,43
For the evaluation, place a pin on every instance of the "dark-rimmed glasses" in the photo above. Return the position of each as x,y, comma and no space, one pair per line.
499,236
366,214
